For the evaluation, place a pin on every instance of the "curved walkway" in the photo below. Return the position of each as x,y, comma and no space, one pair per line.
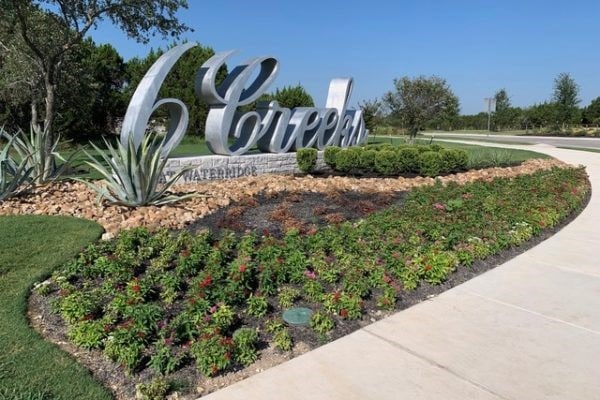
529,329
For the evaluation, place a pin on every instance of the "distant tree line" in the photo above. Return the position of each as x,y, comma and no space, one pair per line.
428,103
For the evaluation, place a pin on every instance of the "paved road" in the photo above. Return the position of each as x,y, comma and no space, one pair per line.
528,329
553,141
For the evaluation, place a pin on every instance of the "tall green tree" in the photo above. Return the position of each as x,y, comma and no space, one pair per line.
65,24
565,96
372,113
417,101
502,113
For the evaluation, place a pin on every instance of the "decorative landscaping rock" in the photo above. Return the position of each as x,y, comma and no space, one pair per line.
76,199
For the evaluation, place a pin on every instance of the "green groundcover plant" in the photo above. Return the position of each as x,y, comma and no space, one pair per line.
163,300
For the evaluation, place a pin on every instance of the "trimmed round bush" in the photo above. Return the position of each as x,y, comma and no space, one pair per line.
348,159
367,159
330,156
387,162
454,160
306,159
430,163
409,159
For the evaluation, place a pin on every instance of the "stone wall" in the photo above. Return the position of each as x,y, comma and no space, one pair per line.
207,168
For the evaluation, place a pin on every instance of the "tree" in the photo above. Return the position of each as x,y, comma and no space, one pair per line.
372,113
290,97
90,100
417,101
65,23
502,115
565,97
591,114
542,115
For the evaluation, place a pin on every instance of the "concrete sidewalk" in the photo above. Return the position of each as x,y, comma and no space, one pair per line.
529,329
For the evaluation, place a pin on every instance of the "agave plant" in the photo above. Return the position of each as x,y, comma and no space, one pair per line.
13,175
33,148
132,173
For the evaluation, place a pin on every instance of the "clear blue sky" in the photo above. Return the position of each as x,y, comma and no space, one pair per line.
477,46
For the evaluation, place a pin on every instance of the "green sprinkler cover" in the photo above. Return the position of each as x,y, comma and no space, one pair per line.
297,316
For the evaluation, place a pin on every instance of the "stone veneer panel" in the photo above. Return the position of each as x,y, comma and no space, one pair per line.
206,168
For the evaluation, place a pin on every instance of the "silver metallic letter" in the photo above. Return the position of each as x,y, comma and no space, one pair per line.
143,103
223,120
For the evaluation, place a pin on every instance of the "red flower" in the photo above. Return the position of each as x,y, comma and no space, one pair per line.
344,313
207,281
242,268
136,288
428,267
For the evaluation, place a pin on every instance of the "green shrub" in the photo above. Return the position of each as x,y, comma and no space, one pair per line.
348,159
283,340
430,163
367,159
163,360
257,306
454,160
409,159
306,159
212,353
287,296
387,162
244,341
321,323
330,156
156,389
87,334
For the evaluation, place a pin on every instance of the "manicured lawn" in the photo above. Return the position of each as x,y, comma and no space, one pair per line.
476,153
486,139
31,368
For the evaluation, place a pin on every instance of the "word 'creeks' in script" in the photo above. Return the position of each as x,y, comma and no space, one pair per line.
270,127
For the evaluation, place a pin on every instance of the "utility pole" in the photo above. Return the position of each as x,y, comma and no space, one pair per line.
491,107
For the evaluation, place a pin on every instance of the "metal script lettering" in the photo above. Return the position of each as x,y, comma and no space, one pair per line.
271,128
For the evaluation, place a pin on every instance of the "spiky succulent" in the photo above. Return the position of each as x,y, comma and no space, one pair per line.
132,174
41,158
13,175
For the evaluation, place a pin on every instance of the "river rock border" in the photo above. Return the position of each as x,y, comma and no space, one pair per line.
215,167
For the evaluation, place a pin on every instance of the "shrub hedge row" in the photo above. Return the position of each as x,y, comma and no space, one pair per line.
386,159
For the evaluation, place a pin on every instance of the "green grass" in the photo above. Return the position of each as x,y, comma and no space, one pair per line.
580,149
31,368
475,152
484,132
484,139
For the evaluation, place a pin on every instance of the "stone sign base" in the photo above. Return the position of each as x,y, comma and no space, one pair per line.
208,168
